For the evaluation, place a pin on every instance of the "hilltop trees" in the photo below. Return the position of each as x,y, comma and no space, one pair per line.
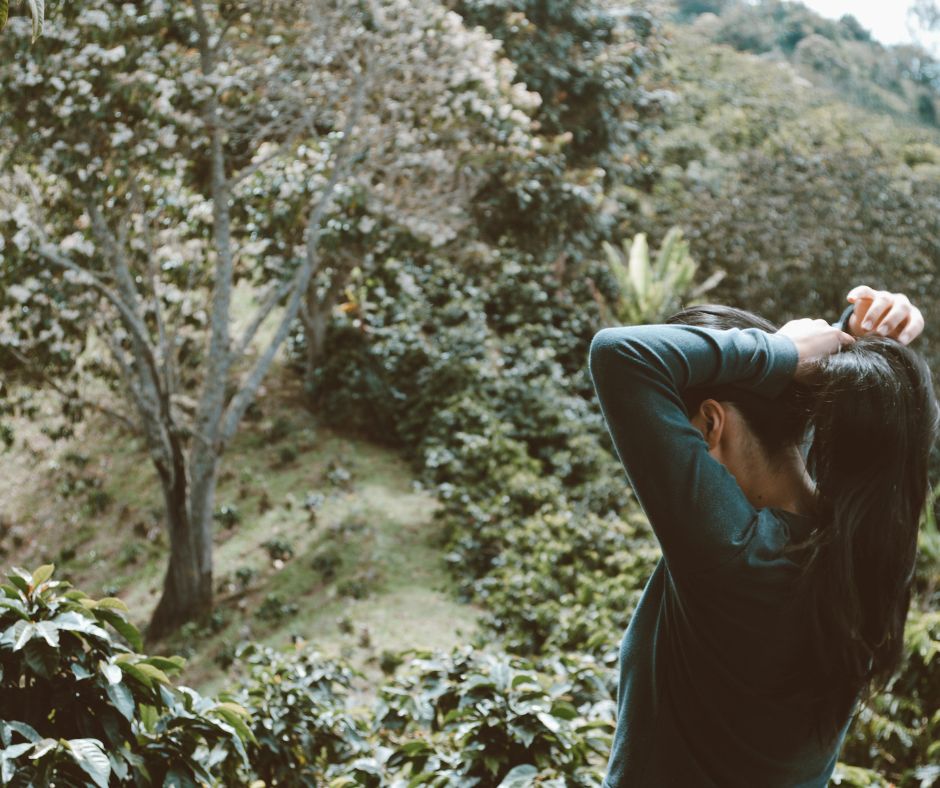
161,155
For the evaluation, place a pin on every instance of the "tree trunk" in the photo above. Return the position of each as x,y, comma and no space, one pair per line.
187,585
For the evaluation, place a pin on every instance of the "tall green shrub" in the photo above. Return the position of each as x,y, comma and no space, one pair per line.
81,706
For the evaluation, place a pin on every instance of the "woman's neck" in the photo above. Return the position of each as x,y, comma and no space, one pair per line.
784,483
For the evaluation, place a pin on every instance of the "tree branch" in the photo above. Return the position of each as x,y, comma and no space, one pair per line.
293,135
212,399
300,281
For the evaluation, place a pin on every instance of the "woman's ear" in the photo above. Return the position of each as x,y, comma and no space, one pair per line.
712,420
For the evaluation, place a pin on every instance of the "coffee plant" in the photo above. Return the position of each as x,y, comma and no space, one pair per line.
81,706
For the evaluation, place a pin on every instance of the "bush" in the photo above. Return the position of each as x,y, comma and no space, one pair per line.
297,702
81,706
487,714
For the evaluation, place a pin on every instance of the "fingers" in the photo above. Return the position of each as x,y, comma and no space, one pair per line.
884,313
879,306
913,327
899,312
862,291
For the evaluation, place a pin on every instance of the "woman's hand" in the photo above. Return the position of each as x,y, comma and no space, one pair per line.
814,340
887,314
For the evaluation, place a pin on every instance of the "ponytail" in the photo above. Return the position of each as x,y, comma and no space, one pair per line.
874,418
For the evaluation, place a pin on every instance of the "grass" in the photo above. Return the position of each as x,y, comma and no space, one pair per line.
328,540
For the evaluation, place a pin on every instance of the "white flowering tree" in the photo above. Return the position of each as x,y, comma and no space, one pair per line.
158,152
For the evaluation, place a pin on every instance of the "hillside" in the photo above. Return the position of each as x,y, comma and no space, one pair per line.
836,55
319,536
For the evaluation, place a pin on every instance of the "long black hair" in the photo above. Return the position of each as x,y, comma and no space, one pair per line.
873,417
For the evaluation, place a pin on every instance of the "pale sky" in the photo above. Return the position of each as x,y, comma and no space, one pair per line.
886,20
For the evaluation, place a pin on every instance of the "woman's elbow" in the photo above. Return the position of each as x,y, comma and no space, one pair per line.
607,344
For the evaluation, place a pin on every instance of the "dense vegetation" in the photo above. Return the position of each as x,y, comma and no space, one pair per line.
462,344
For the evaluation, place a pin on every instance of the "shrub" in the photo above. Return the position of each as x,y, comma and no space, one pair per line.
275,608
278,549
228,515
81,706
488,714
297,702
327,560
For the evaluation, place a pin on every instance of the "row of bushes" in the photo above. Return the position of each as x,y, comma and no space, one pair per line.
82,707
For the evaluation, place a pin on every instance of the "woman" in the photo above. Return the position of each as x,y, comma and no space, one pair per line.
785,581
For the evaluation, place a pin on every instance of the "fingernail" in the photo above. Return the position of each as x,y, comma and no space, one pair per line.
904,338
866,324
883,330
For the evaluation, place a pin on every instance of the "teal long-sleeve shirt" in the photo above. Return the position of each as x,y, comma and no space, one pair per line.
710,664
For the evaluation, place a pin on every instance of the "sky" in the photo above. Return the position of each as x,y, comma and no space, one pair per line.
886,19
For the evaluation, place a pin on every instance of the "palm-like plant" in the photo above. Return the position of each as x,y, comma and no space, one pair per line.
651,289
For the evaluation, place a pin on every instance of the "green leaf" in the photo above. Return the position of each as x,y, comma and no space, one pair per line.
28,732
549,721
151,672
38,10
112,602
15,605
142,677
22,583
42,747
519,776
111,671
4,13
237,721
25,634
42,574
75,622
49,632
173,663
126,629
42,660
122,698
89,755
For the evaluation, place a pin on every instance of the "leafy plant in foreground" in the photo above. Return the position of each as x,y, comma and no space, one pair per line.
80,707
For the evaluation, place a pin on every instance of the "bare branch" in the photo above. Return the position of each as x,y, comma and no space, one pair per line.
51,255
140,341
166,350
277,293
301,280
212,399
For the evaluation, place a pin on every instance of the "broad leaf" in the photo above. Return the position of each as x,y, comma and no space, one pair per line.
42,574
38,10
89,755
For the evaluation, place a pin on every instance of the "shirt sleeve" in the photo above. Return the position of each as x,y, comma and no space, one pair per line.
698,512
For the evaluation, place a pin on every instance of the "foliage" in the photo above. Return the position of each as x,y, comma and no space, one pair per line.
842,52
187,159
81,707
650,292
584,62
37,12
485,716
746,225
300,723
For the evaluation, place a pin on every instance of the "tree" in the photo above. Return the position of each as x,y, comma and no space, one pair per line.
161,154
925,14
